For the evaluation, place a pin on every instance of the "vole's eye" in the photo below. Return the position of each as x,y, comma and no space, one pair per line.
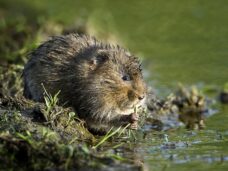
126,78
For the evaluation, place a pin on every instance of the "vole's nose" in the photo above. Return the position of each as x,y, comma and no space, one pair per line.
141,97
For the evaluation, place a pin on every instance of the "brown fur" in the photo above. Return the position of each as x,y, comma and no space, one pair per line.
89,75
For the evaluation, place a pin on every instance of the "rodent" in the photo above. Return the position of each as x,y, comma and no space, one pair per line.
102,82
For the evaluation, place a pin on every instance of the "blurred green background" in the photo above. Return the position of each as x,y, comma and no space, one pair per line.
179,41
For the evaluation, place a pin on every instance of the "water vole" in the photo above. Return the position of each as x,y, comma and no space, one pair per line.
102,82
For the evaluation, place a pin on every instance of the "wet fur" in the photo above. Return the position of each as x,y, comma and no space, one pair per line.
89,75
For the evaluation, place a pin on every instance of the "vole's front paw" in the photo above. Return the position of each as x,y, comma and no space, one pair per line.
134,121
134,117
134,125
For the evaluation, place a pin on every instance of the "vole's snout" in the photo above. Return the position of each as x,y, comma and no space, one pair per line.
134,95
141,97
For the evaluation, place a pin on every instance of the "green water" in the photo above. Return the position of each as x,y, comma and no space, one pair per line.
179,41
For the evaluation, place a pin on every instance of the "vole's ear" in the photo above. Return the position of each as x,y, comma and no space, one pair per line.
101,57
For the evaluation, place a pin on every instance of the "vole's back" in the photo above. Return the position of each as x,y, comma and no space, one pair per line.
56,65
